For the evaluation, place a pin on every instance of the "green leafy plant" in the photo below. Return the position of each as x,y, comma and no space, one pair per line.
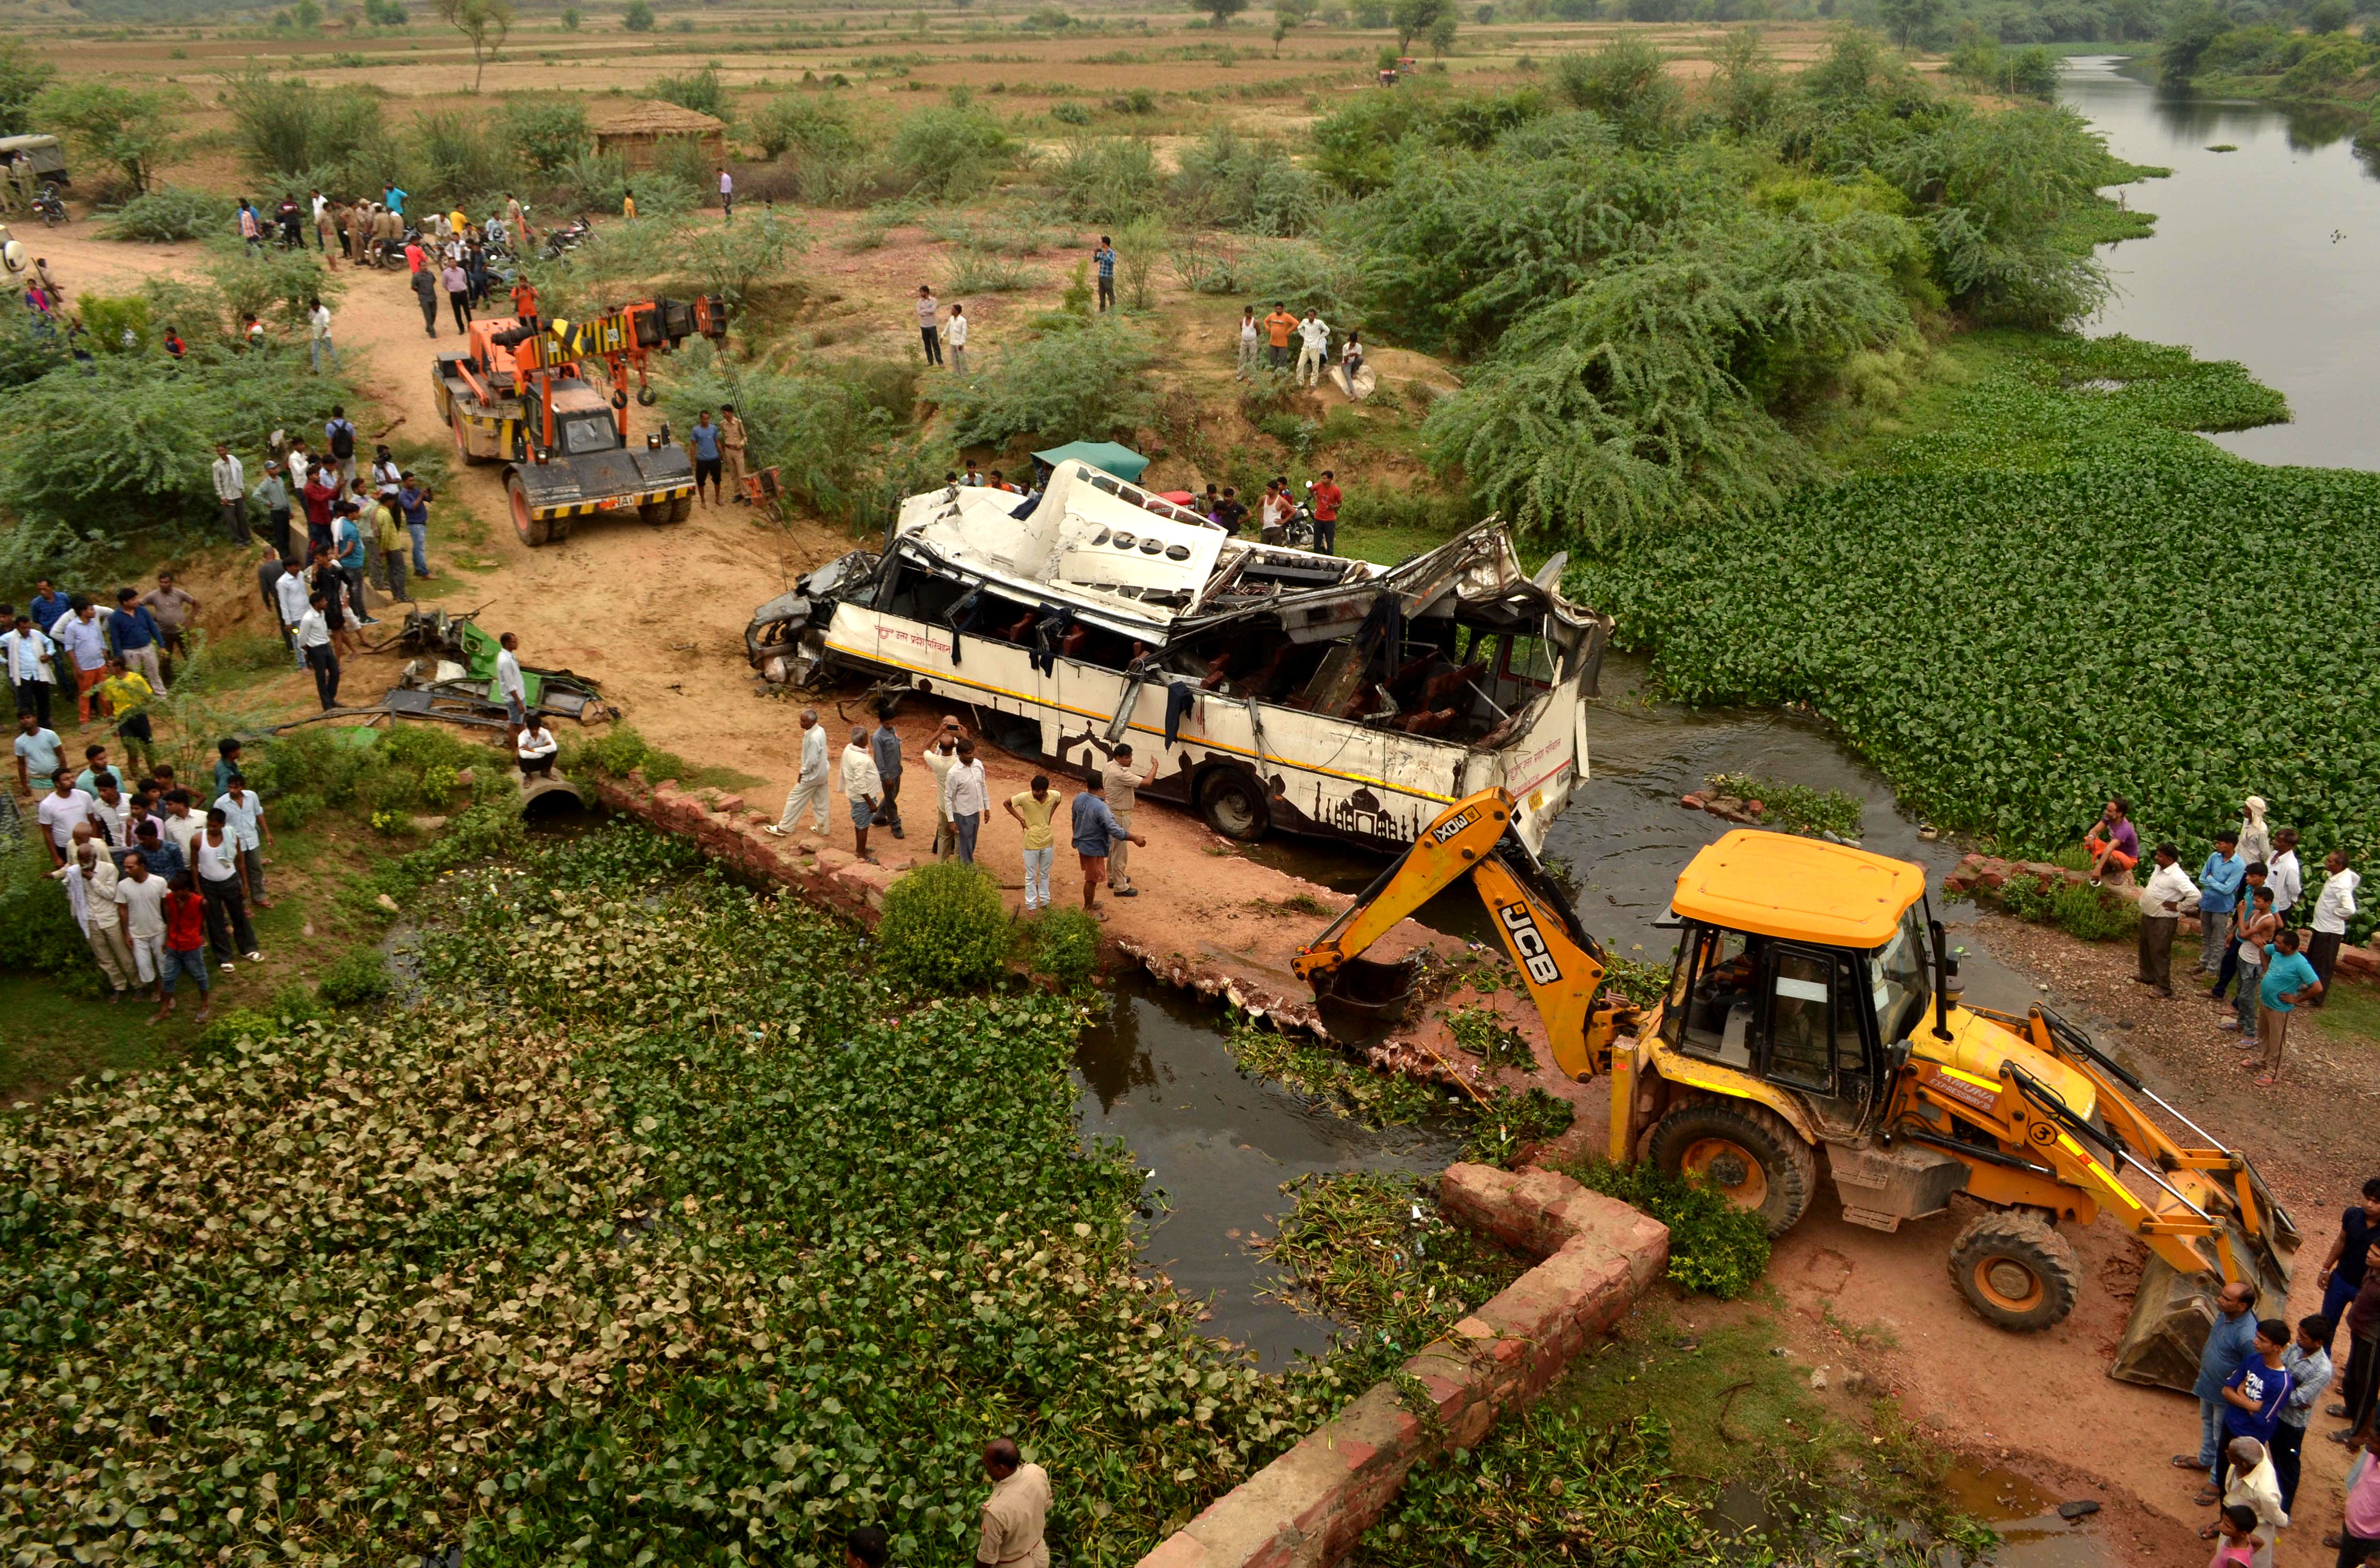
1714,1247
546,132
2093,915
945,927
1796,808
1329,1078
945,149
129,127
1066,946
1489,1036
356,979
1509,1123
704,92
1078,386
165,214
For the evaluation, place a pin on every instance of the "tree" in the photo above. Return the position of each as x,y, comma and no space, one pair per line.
1442,32
1222,11
2327,16
637,18
2186,39
1910,20
1281,26
571,17
115,125
1413,19
21,80
484,23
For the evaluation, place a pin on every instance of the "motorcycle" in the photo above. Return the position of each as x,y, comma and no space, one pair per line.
567,238
51,207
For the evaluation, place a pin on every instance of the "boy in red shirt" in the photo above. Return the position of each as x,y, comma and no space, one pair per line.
186,947
1326,498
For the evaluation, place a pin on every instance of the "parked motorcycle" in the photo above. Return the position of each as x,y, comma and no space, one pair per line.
52,207
568,237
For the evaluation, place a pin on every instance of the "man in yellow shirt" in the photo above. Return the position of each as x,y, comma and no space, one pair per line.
127,693
389,536
628,205
1033,809
1278,326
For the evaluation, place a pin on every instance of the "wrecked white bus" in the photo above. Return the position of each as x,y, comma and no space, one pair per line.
1268,688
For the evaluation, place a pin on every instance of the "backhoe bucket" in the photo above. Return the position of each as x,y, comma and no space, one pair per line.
2174,1311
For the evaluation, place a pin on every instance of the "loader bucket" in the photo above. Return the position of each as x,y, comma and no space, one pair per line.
2174,1311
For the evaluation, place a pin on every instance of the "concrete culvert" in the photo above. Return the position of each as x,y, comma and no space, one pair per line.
548,797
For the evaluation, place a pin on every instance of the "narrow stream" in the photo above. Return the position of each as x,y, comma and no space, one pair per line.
1217,1144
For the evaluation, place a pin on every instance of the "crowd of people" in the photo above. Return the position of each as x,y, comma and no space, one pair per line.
2260,1385
2247,899
868,776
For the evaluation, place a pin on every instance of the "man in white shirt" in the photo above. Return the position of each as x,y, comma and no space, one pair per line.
244,816
319,347
90,881
863,786
2162,904
509,684
216,867
809,785
181,825
231,493
955,334
61,810
26,652
967,796
289,595
1314,351
1122,778
727,193
2332,909
929,309
108,808
1251,344
942,755
2284,875
141,919
313,635
536,748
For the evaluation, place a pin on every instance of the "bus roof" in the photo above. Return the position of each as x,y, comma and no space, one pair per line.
1805,889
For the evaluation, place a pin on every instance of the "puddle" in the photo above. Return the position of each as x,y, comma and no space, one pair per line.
1156,1075
2025,1518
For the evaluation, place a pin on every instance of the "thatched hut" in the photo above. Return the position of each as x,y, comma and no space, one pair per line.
637,131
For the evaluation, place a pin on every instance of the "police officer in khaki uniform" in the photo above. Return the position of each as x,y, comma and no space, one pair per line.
1123,778
1013,1513
731,449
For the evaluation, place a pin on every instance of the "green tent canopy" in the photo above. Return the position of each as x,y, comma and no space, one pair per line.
1120,460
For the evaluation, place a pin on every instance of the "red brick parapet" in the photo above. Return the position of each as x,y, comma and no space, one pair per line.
1308,1507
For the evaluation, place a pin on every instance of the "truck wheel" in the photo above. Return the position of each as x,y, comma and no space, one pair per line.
681,509
1233,804
1747,1152
2015,1271
533,531
462,441
653,513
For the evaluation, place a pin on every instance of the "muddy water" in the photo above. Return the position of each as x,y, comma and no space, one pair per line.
2031,1533
2262,254
1217,1144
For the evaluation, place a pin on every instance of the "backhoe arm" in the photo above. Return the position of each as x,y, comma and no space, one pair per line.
1562,965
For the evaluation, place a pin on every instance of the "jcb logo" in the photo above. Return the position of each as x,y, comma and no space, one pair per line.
1446,830
1526,941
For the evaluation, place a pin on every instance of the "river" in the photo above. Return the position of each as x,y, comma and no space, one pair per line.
2263,255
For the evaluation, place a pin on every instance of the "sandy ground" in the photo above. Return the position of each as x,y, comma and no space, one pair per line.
657,615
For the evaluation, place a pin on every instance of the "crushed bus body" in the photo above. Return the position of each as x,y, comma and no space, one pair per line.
1268,688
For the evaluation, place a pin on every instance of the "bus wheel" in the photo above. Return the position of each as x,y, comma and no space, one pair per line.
1233,804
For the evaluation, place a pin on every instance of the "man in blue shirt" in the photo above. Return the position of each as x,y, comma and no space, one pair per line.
1105,256
2289,979
2228,1343
1096,832
702,442
394,198
134,633
413,503
2253,1398
2219,895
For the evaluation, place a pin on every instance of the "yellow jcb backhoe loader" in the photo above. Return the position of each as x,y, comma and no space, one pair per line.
1815,1007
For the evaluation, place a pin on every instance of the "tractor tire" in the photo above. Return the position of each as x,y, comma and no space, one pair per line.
533,531
2015,1271
462,442
1233,804
1747,1152
681,509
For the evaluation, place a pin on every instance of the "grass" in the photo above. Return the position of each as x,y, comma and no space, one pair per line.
2349,1014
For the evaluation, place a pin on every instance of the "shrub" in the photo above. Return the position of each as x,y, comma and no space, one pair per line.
1109,180
129,127
166,213
358,978
734,260
547,132
795,122
119,324
1070,114
620,750
292,127
1305,277
703,92
37,926
1796,808
945,927
637,18
1066,944
945,149
828,428
2093,914
1627,82
1077,386
982,271
1509,1123
1231,181
1714,1247
462,158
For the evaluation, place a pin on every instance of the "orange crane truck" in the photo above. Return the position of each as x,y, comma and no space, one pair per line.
521,395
